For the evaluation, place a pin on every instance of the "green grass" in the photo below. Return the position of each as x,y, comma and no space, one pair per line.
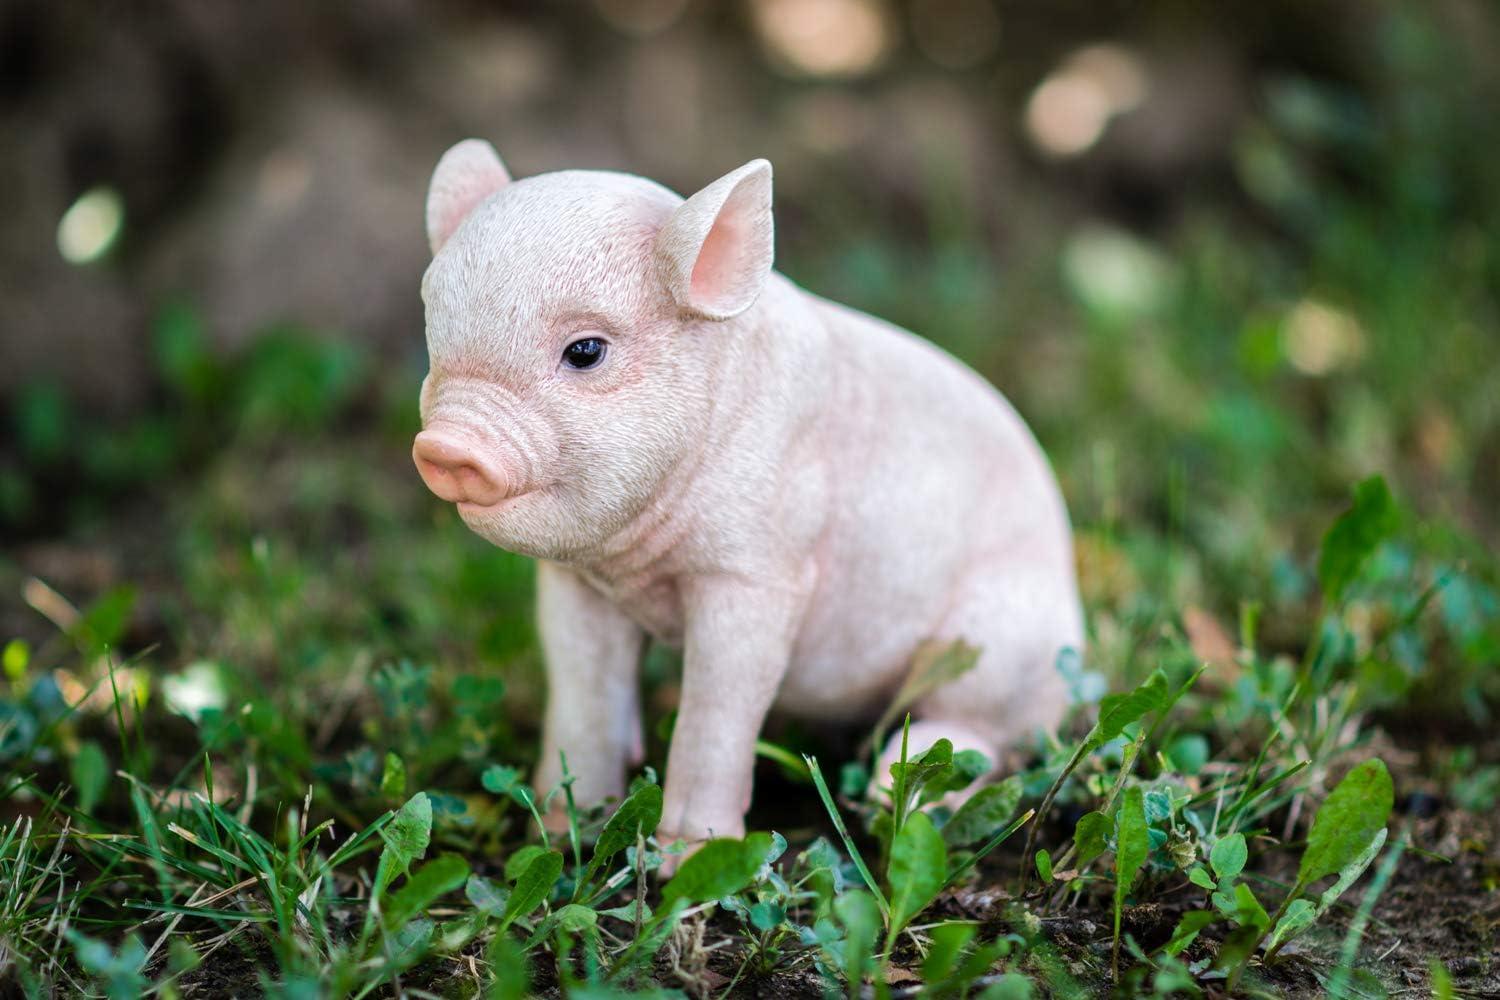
281,741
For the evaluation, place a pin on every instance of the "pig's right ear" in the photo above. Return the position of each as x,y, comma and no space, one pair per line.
715,251
466,175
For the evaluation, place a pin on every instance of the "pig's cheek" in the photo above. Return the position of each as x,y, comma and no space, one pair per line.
424,399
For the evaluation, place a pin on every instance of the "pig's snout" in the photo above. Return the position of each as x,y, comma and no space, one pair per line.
455,472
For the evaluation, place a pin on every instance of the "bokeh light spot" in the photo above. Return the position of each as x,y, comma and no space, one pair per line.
1319,339
1115,273
91,225
198,688
827,38
1071,108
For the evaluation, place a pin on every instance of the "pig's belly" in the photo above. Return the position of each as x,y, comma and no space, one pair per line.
850,657
837,690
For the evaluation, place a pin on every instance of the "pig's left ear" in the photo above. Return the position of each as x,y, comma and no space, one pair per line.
715,251
466,175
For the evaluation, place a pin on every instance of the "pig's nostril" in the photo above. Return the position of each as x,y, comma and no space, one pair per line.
455,473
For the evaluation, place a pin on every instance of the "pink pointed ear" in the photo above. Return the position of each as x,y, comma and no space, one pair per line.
466,175
715,251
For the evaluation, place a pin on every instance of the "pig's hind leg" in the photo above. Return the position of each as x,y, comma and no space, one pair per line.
1020,621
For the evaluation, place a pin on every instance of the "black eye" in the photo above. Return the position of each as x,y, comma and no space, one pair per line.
585,353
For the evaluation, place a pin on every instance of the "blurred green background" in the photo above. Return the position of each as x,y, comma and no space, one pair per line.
1227,259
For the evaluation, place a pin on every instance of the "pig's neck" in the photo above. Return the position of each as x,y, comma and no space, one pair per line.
719,497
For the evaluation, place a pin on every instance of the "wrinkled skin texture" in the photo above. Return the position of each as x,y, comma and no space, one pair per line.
793,493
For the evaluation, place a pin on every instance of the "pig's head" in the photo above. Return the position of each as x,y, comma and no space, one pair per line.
577,326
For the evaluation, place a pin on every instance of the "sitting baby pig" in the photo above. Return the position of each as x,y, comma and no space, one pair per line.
697,450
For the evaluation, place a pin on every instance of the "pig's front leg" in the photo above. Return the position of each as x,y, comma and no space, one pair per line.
593,653
738,641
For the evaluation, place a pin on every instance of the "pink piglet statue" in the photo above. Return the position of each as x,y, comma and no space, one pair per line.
696,450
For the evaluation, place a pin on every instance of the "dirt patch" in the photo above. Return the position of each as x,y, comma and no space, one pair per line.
234,970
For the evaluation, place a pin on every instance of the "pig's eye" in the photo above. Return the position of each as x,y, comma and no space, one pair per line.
584,354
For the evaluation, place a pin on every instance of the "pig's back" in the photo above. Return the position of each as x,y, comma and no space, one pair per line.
933,478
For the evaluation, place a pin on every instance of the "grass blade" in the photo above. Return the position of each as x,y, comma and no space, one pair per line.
838,824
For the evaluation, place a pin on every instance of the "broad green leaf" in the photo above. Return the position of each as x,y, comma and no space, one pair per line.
929,764
512,980
1355,536
1044,865
454,935
576,918
120,971
14,659
1248,910
1229,855
1352,871
485,895
854,777
767,916
183,358
1158,803
976,963
1199,876
1090,836
89,770
947,943
393,777
1289,927
533,886
720,868
1011,986
1442,980
1299,916
1187,930
859,914
507,781
406,837
102,625
519,861
1239,944
1189,753
441,875
1347,821
968,767
986,811
1116,711
628,912
1132,844
640,812
918,867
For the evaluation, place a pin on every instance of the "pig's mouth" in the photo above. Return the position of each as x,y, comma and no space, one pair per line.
471,508
480,511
